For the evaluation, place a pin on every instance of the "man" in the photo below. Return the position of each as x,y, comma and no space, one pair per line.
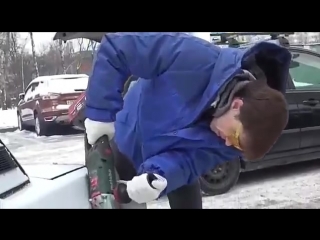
195,106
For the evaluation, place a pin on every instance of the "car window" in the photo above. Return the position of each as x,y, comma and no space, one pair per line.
307,73
34,87
290,84
35,90
68,85
28,94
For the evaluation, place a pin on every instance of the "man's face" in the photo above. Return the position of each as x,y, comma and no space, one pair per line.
228,126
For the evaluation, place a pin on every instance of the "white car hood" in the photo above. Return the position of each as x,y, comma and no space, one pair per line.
49,172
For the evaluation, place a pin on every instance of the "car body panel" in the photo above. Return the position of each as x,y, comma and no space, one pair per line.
309,115
76,111
290,138
307,87
50,172
68,191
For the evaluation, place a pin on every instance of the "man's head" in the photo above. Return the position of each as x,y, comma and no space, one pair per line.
255,120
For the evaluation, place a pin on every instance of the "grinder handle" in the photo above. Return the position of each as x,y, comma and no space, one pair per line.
120,192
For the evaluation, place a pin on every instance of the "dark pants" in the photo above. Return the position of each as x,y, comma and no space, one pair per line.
186,197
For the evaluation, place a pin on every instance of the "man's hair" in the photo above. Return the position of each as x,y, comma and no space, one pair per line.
263,115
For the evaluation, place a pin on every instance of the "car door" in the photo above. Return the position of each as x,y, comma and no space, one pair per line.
35,92
290,137
28,104
306,78
24,105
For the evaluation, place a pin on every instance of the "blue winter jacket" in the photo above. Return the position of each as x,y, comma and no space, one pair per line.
180,76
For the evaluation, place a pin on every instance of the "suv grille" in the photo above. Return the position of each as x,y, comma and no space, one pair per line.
6,161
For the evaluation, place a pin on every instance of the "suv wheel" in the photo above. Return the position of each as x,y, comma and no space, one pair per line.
20,123
40,127
221,179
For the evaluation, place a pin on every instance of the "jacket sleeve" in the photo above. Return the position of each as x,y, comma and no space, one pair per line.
181,168
146,55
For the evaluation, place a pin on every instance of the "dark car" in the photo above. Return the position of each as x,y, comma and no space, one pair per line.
46,101
300,141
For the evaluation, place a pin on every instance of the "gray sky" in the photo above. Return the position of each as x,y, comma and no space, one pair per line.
40,38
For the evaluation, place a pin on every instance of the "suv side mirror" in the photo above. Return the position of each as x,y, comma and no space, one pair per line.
295,55
21,96
294,64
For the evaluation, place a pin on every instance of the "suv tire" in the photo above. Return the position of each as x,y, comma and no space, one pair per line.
40,126
21,126
221,179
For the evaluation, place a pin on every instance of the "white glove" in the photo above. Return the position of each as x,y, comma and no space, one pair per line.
140,191
95,130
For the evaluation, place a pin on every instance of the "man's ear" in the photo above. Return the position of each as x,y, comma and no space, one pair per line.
236,104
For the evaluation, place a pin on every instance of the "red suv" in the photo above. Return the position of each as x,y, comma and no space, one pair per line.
46,101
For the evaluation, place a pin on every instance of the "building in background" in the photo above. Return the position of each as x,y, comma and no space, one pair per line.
305,37
297,38
82,63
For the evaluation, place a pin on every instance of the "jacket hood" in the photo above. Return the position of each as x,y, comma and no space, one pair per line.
274,61
266,61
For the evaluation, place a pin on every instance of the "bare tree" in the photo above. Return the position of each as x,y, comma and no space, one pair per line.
93,46
17,54
13,46
5,65
80,44
34,54
2,79
17,66
61,50
69,57
83,47
3,87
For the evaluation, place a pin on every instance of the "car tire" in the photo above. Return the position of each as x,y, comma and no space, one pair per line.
21,126
40,126
221,179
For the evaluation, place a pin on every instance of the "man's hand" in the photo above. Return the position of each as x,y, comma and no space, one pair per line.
143,189
95,130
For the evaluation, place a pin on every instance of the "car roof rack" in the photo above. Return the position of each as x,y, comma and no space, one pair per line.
230,38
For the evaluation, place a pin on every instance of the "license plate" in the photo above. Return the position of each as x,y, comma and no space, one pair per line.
69,102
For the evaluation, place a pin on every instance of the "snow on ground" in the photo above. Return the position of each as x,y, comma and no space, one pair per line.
293,186
8,118
289,187
30,149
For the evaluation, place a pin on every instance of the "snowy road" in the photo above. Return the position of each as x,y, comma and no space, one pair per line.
30,149
294,186
8,119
